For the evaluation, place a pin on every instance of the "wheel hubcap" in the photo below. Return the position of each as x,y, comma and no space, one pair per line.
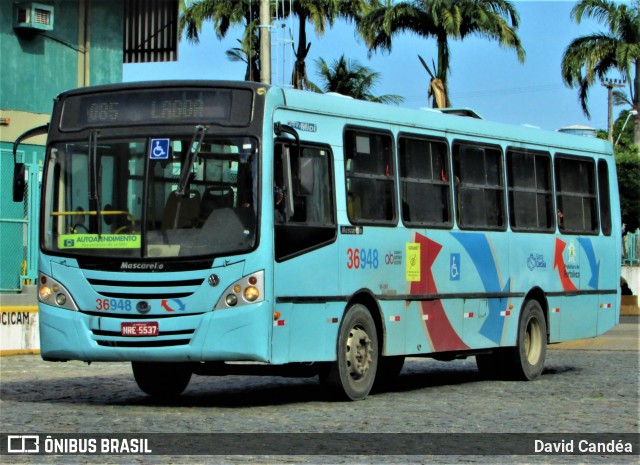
359,353
533,342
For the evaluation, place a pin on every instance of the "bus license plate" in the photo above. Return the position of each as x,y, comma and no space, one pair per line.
139,328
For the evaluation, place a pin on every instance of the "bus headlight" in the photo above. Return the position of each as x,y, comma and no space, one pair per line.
44,292
248,290
251,294
48,287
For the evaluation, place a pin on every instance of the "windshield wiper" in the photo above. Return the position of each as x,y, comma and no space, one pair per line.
94,194
190,157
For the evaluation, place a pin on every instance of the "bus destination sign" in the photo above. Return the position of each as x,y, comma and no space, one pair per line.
140,107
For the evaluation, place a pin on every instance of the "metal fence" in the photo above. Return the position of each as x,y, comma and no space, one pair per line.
631,248
18,225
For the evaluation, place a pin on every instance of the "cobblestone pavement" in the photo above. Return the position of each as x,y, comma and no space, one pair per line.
583,390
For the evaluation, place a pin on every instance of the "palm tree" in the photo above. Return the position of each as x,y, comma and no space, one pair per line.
225,14
594,56
443,20
349,78
248,53
320,13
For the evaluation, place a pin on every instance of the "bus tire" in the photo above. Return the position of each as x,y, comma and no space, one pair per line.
352,375
526,361
161,379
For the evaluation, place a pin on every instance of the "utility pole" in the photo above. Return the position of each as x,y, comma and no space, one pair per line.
265,42
610,84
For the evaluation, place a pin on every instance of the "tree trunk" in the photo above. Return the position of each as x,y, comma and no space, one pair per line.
299,68
443,67
636,105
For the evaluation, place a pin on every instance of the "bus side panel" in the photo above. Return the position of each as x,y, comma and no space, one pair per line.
372,260
578,313
609,312
307,327
604,258
306,332
533,267
425,269
483,269
590,249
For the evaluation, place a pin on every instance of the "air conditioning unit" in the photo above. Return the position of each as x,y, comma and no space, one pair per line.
33,16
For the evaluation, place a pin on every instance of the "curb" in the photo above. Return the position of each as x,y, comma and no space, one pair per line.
629,306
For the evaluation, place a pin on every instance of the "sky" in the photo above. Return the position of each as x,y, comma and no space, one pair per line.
483,76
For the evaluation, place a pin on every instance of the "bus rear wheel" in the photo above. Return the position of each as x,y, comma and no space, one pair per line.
352,375
161,379
526,360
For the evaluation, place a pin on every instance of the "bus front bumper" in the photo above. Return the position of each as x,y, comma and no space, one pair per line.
239,334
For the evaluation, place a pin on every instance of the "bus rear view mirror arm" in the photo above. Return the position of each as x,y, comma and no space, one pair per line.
19,168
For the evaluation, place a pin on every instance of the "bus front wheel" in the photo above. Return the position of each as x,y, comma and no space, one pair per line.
353,373
526,360
161,379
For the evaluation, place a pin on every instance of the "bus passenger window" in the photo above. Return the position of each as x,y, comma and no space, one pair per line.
424,174
479,186
370,180
576,194
530,195
604,198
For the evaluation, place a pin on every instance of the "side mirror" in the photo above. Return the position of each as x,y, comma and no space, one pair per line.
19,168
18,182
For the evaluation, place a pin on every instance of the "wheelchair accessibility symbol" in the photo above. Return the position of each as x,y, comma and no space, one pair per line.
454,267
159,149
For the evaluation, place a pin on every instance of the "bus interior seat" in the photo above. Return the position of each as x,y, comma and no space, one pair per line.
181,211
226,226
215,197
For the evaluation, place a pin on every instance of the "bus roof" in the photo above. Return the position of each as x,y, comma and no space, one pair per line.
440,121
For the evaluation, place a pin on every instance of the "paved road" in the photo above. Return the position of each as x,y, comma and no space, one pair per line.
587,387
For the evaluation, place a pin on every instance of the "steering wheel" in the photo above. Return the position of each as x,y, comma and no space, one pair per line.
126,229
74,228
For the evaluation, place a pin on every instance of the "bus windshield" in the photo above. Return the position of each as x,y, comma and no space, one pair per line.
187,196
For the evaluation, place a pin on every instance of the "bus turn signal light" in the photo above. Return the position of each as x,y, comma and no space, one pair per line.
247,290
49,287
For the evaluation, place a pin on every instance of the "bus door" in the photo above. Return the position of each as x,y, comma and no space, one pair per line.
305,272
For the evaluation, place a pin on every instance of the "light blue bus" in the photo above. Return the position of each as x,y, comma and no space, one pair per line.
213,227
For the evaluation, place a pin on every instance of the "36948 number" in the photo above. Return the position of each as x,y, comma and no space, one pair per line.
361,259
113,305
